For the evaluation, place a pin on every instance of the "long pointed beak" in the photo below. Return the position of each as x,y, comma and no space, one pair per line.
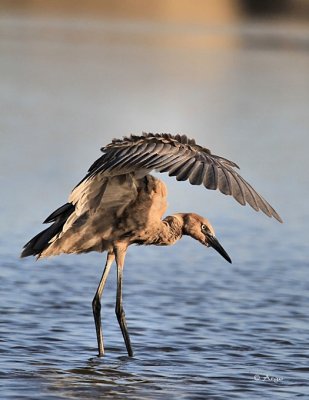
213,242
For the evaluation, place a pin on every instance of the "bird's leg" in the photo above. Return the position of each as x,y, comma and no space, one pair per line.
120,252
96,302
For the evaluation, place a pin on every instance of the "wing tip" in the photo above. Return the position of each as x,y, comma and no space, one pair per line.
270,212
277,217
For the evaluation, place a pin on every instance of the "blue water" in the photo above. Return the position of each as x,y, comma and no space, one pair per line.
200,327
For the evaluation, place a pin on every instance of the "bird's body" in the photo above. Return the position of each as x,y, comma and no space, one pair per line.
124,209
119,203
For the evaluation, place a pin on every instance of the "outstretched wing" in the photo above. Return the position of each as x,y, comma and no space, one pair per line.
180,157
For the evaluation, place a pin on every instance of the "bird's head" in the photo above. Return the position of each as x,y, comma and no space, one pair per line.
200,229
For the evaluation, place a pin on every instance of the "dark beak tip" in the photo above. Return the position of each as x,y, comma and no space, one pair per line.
214,243
227,258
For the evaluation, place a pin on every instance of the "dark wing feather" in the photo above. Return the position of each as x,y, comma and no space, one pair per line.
197,174
210,180
180,157
64,210
224,181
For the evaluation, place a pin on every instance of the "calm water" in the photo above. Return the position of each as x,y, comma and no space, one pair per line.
201,328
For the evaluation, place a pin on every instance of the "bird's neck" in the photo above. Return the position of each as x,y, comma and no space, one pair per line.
170,230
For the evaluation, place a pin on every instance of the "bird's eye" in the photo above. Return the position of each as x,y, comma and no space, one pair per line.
204,228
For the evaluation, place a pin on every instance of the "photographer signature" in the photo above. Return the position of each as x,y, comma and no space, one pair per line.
267,378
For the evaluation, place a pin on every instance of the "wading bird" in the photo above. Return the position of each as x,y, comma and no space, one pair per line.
118,204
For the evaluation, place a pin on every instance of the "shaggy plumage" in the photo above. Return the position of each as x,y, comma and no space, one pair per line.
118,203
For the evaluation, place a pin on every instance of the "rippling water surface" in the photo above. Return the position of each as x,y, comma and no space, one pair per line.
201,328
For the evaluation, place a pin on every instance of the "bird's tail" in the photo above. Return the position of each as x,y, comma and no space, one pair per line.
42,240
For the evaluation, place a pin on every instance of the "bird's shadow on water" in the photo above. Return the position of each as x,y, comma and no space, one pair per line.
105,377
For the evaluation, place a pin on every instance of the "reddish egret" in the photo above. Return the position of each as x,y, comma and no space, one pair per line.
118,204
